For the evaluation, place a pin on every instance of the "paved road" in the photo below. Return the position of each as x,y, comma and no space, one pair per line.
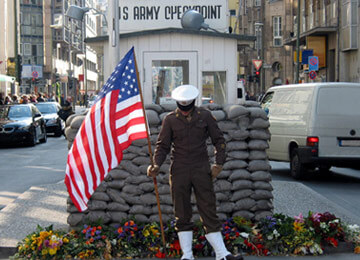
22,167
342,186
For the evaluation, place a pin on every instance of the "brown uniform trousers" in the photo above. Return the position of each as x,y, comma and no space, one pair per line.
190,168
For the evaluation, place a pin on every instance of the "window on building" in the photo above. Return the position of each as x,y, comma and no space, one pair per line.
26,19
277,31
232,12
167,75
257,2
214,87
27,49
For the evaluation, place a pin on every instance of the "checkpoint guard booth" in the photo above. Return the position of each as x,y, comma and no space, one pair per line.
168,55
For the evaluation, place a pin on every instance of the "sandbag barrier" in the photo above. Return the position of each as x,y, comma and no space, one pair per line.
243,188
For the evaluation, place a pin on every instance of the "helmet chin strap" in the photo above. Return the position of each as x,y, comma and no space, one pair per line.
186,108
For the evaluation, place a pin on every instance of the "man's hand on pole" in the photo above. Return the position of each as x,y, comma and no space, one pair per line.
153,170
215,170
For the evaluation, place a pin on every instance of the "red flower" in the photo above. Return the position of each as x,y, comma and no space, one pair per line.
159,254
202,238
199,247
103,237
333,241
259,246
99,227
84,231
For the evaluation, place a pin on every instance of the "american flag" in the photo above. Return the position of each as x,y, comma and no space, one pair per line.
113,122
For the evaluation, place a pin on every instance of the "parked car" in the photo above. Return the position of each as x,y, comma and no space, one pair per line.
54,124
22,124
314,125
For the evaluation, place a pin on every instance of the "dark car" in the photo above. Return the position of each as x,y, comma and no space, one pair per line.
54,124
21,124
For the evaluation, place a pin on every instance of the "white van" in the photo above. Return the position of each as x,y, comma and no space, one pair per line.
315,125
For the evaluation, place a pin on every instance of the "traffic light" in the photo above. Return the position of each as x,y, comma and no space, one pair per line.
257,76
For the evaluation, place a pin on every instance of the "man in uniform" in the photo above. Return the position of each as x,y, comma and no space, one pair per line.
184,132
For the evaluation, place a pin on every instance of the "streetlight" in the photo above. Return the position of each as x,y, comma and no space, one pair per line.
77,13
194,20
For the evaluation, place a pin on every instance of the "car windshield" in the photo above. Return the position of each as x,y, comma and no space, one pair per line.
47,108
19,111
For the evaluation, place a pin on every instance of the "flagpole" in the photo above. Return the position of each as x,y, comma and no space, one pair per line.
151,157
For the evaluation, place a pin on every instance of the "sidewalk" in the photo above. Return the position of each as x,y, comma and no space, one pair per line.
46,205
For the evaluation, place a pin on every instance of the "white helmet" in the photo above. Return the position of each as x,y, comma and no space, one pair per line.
185,94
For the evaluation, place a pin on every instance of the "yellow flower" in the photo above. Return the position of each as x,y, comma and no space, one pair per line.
66,240
52,251
146,233
298,226
44,251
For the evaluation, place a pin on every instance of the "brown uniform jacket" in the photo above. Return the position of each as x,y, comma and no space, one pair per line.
187,140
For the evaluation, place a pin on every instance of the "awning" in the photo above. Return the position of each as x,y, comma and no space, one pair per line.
7,78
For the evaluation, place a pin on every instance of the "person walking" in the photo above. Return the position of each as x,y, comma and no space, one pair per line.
184,132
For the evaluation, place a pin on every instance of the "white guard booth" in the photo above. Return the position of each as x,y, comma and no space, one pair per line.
170,57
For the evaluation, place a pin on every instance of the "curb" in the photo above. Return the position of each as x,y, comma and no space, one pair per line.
6,252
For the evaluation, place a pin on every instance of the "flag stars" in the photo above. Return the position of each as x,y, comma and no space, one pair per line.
123,74
129,77
126,83
130,61
131,86
129,92
132,71
122,89
134,80
126,67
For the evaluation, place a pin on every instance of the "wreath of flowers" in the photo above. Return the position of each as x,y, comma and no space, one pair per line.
274,235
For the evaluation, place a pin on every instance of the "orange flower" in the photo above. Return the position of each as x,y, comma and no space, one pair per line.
91,240
120,230
99,227
357,250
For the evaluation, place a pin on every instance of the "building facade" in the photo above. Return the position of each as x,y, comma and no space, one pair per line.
8,50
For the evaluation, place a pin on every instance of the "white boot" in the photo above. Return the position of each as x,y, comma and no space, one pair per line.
216,241
185,238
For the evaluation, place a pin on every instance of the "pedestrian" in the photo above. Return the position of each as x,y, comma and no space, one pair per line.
184,132
25,99
40,98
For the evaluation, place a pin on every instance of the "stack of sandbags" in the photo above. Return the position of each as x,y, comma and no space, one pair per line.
242,189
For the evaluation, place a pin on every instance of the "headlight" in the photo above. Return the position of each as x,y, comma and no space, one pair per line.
51,121
26,127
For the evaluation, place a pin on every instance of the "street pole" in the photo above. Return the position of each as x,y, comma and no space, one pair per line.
298,43
85,65
113,35
70,71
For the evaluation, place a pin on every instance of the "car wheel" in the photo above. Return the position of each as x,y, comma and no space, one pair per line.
44,139
33,139
58,131
298,170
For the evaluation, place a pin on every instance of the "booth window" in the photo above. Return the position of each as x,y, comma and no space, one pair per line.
214,87
167,75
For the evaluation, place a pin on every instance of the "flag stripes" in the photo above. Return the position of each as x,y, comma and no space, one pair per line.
113,122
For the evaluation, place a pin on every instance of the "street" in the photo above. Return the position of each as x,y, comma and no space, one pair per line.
341,187
23,167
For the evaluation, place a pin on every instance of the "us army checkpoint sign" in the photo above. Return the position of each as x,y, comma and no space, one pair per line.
158,14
